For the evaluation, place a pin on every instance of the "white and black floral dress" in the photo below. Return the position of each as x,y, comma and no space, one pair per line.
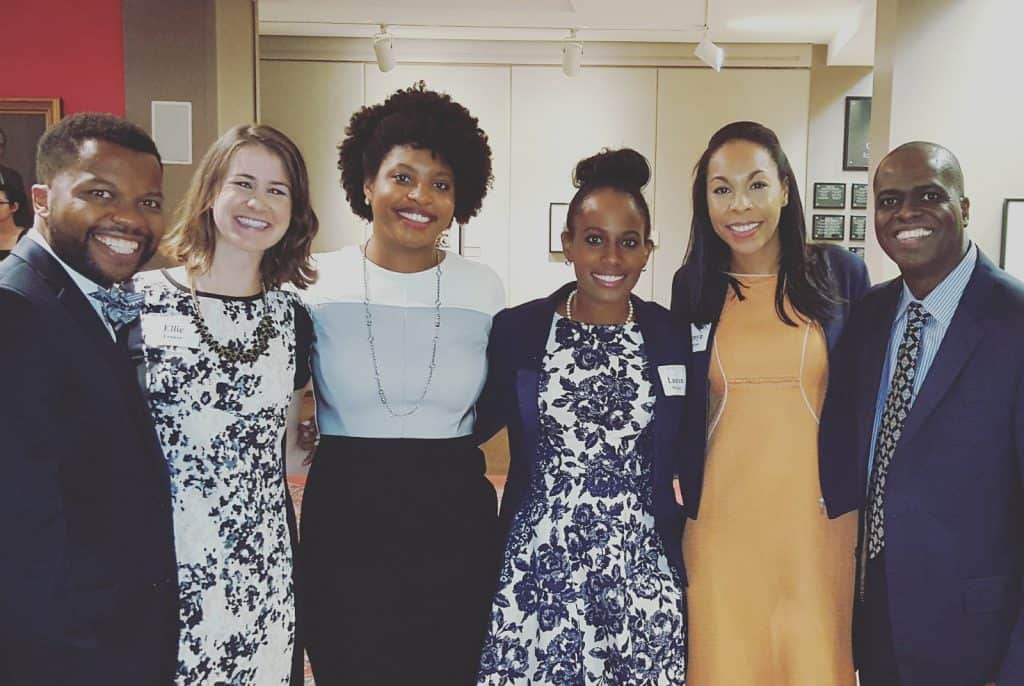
586,594
221,426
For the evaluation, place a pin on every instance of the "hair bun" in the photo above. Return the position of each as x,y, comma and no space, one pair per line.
624,167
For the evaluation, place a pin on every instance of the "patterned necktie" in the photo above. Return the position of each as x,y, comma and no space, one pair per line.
119,306
897,407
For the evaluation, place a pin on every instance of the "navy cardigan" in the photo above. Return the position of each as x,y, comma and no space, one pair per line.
850,276
515,355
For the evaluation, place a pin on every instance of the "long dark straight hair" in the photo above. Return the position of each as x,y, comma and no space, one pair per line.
803,272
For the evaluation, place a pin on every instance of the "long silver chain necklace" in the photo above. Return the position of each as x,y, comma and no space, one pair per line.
568,308
373,350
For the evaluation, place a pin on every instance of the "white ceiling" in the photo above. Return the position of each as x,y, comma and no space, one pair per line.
847,26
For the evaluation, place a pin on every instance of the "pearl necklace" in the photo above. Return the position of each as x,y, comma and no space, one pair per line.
568,308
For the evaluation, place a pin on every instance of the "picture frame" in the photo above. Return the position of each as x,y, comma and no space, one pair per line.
857,133
23,121
557,215
859,196
1011,254
828,227
829,196
858,227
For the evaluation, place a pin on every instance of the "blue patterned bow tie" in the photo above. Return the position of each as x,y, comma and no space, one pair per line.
119,306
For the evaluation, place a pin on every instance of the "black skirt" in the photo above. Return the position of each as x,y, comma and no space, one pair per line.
398,560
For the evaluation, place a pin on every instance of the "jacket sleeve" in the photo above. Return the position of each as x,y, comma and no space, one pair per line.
1012,669
492,405
32,519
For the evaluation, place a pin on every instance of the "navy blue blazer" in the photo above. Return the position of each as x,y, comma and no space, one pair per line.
954,503
850,277
88,585
515,354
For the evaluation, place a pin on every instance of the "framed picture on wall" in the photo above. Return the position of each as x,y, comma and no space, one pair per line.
859,196
857,134
1012,254
557,214
829,196
858,227
23,121
828,227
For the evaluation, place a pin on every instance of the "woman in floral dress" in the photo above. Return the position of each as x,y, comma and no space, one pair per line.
224,349
591,382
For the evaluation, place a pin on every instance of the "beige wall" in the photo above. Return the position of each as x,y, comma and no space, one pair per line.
199,52
949,71
539,123
829,88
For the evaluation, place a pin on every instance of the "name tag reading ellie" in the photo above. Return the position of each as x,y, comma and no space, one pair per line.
169,330
673,378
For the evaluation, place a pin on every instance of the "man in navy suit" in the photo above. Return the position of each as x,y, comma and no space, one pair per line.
88,591
928,408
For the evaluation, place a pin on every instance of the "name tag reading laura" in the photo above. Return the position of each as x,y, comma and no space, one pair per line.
169,330
699,337
673,378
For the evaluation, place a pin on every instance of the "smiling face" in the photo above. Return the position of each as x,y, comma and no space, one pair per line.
413,200
920,213
608,249
7,208
745,199
103,213
253,209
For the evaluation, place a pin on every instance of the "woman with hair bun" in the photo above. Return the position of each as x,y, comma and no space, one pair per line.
399,540
591,382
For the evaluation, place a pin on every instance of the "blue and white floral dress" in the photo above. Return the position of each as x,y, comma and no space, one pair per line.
586,593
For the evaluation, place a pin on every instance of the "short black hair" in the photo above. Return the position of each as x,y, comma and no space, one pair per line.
59,146
624,170
425,120
13,193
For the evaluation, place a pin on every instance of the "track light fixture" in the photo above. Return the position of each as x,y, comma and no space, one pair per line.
382,47
572,54
706,51
710,54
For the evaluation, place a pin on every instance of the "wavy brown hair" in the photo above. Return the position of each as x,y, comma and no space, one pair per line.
192,239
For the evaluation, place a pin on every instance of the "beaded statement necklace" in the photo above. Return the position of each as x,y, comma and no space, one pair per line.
368,315
234,351
568,308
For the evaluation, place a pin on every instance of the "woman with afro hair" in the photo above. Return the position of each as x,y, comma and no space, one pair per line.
399,539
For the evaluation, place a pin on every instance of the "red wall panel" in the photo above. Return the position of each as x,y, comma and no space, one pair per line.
64,49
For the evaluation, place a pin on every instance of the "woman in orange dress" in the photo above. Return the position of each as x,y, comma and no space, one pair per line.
769,552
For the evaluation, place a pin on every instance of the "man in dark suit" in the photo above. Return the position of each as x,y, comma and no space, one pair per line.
10,177
88,591
928,408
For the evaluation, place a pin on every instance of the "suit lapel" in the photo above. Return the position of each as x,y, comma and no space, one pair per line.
962,337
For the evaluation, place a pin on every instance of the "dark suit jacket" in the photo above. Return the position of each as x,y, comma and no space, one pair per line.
88,587
24,216
850,277
954,503
515,354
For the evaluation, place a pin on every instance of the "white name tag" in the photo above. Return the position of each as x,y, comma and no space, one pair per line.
169,330
673,378
699,337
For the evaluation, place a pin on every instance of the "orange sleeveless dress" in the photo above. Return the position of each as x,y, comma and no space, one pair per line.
771,576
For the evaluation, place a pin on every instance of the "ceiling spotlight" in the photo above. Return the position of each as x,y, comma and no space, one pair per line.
383,49
710,54
572,54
